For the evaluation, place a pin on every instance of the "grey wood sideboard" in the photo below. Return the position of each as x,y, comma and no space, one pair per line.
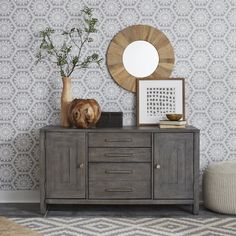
129,165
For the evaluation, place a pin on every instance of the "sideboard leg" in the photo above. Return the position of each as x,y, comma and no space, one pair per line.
43,208
196,208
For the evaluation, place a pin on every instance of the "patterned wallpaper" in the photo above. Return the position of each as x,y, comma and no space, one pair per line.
203,33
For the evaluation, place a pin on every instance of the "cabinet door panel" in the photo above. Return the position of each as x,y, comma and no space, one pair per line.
173,166
64,173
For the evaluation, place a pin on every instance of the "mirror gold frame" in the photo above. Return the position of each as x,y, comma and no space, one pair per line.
134,33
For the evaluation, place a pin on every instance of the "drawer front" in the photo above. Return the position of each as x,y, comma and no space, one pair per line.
119,190
119,140
120,154
119,171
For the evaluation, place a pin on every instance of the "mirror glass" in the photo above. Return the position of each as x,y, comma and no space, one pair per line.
140,58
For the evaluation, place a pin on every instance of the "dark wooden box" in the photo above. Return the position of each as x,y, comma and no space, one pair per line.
110,120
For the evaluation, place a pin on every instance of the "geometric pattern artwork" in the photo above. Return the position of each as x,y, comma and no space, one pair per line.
160,100
111,226
203,35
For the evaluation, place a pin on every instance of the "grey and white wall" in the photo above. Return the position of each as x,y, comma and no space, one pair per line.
203,34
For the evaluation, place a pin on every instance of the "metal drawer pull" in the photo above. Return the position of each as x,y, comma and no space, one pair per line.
118,154
118,171
118,140
118,190
158,166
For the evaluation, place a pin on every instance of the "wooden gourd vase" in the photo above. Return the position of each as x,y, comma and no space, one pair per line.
66,98
84,113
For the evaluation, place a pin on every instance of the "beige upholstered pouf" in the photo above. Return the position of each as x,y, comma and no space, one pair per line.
219,187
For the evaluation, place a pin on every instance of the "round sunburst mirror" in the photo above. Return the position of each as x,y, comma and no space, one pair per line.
139,51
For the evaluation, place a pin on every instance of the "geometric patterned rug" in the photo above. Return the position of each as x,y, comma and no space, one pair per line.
126,226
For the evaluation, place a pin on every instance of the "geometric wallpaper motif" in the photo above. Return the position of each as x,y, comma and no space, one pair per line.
202,32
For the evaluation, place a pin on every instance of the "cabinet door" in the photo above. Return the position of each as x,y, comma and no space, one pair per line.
65,165
173,165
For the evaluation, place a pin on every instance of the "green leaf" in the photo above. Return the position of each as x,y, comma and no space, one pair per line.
94,56
75,60
87,11
49,30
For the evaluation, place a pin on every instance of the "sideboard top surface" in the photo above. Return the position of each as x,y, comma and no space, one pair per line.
188,129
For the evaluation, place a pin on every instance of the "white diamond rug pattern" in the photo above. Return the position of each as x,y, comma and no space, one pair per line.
115,226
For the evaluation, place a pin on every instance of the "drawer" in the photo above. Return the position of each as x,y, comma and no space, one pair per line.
120,154
119,140
119,171
120,190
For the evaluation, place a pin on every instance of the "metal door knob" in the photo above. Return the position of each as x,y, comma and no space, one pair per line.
158,166
81,165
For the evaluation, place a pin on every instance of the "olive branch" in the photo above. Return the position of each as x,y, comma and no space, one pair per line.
78,37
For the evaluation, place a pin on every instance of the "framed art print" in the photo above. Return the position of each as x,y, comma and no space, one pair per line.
156,98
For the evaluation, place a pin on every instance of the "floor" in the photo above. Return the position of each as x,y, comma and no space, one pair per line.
32,210
97,220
